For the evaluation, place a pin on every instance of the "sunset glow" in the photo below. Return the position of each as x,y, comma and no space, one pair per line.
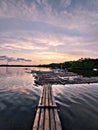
47,31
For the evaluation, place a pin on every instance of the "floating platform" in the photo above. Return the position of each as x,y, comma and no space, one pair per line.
63,78
47,117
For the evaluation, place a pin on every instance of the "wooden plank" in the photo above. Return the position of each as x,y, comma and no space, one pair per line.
37,117
52,120
46,127
35,126
41,123
50,100
57,120
47,115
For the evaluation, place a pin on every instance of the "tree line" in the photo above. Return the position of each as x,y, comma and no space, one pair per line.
83,66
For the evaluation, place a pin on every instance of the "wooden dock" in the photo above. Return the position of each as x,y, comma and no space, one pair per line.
47,117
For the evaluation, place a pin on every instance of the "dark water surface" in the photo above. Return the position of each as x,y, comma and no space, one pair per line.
78,104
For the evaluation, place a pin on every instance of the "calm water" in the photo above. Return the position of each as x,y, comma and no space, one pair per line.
78,104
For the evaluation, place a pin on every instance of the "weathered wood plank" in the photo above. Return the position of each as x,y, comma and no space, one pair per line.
46,110
46,125
47,115
57,120
41,123
37,117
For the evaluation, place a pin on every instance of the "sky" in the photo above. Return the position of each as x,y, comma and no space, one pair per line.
47,31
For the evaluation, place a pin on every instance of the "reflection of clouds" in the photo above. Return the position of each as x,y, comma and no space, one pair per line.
17,91
17,81
78,94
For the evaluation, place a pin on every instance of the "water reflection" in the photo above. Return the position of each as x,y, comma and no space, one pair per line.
78,106
18,99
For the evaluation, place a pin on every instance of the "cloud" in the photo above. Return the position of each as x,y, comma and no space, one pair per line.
11,59
23,59
37,6
30,27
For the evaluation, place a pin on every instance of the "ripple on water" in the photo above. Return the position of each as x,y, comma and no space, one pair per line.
78,106
2,106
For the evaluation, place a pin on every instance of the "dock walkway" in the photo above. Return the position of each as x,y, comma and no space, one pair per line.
47,117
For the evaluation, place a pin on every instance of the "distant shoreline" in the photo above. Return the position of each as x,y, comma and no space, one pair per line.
19,66
84,71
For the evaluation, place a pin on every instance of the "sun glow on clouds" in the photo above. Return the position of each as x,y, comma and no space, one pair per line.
51,57
48,31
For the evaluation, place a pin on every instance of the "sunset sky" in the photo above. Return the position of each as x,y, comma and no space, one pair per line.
45,31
